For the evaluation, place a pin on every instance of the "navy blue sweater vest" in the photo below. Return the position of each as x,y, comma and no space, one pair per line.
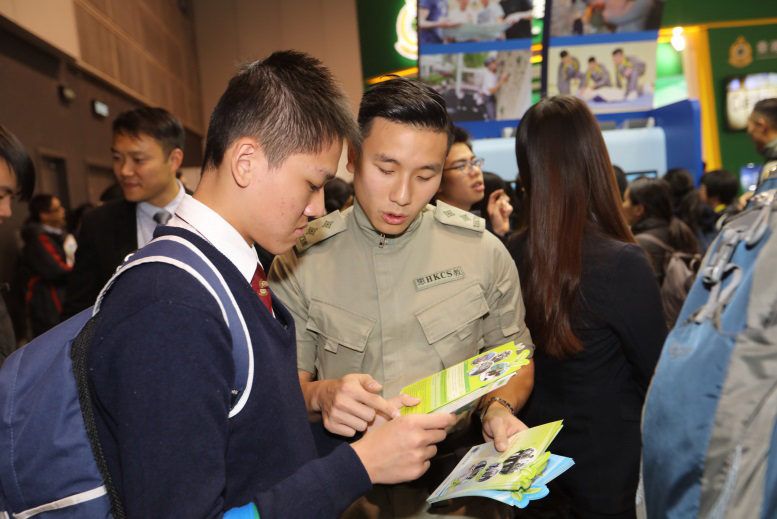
161,373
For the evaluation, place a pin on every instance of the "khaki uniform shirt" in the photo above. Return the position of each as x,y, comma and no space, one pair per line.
398,308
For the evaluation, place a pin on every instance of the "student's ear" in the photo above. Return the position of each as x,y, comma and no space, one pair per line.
353,156
176,158
245,160
639,211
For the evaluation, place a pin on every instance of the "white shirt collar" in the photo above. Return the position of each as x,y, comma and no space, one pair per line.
150,209
200,219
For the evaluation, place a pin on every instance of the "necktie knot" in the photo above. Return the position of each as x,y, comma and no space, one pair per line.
162,217
261,287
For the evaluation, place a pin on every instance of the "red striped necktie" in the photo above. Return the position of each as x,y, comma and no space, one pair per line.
260,286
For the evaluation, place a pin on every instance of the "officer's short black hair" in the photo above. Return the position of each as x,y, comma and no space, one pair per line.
767,108
460,135
405,101
15,156
289,102
563,54
591,60
154,122
617,51
721,184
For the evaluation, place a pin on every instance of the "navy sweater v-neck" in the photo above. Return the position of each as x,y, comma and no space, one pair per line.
161,372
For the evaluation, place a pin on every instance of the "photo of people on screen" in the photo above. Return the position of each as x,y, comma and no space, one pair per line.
451,21
609,77
582,17
481,86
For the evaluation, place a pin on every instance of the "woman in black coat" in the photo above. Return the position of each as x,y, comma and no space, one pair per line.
593,308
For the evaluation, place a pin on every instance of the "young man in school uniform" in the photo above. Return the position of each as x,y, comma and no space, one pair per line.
161,370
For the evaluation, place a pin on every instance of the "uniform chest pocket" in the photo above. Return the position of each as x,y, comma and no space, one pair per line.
453,326
341,337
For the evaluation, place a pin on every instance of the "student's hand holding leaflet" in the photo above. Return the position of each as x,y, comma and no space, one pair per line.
400,450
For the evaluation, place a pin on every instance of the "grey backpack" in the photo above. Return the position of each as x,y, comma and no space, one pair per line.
679,272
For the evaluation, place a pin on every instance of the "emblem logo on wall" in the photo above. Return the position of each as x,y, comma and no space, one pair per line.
407,37
741,53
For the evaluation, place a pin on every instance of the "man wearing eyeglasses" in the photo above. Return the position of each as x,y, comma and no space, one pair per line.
395,289
462,184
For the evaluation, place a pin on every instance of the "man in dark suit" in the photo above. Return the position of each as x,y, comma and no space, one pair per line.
147,151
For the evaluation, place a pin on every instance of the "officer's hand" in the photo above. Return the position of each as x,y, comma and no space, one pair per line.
499,210
349,404
400,450
499,424
396,402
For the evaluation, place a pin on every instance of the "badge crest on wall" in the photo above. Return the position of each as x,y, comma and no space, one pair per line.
740,54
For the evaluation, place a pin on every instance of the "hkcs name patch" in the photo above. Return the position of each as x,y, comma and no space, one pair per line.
438,278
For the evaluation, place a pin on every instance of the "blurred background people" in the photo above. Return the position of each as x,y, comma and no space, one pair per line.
647,206
689,207
593,308
47,259
718,189
17,179
338,195
762,129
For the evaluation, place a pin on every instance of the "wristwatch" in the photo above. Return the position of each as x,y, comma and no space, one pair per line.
493,399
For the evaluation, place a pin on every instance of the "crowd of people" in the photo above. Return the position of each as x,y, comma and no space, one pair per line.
569,266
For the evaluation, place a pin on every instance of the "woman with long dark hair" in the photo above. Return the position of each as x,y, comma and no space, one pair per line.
592,305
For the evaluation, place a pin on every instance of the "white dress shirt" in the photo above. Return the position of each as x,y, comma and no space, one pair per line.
144,216
200,219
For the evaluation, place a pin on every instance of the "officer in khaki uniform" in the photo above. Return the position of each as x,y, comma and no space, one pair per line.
399,308
396,289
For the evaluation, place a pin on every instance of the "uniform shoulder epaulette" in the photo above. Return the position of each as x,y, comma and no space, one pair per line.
320,229
449,215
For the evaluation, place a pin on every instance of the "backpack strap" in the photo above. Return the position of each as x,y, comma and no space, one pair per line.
720,266
79,354
181,253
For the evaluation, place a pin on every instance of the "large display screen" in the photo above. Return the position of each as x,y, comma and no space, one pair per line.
743,92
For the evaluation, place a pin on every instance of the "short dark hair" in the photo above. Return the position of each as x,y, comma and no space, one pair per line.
563,54
617,51
721,184
460,135
591,59
767,108
620,178
154,122
13,153
336,194
39,204
289,102
405,101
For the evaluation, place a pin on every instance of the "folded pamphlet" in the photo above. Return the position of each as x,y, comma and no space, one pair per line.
516,476
452,390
